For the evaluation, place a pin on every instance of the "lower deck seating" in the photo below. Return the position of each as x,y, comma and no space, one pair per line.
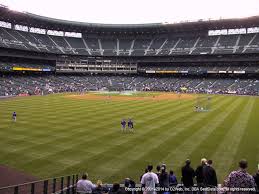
38,84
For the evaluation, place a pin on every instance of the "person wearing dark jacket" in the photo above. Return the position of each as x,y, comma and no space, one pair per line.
128,183
158,170
199,172
187,174
116,189
100,189
209,175
163,178
256,178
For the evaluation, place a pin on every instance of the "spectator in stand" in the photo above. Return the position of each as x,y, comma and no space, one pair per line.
163,178
116,189
100,189
187,174
149,181
210,177
199,172
256,179
143,174
240,178
172,179
129,184
84,185
158,170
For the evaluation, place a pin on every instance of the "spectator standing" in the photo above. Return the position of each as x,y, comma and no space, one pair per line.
84,185
149,181
164,178
143,174
199,172
256,179
240,178
187,174
158,170
210,176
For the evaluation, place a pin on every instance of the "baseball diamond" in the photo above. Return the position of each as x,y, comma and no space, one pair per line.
66,133
108,108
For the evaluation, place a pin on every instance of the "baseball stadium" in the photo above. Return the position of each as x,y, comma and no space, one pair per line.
71,92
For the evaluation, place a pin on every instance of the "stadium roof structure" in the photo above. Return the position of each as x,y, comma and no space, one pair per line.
29,19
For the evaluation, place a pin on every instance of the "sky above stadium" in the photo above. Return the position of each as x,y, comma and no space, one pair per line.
136,11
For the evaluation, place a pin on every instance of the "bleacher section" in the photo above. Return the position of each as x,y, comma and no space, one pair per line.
205,68
130,46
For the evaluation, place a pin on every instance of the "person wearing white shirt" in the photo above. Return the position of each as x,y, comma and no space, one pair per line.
84,185
149,181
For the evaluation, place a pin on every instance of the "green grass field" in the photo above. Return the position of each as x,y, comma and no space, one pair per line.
55,135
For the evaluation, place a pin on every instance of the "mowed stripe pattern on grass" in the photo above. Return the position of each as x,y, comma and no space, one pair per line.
56,136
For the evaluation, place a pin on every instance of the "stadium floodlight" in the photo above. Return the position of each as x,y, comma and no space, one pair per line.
5,24
55,33
253,30
21,28
37,30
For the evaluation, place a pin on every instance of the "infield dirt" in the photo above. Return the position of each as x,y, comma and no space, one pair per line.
166,96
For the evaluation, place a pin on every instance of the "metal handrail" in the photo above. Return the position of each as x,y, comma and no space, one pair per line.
33,182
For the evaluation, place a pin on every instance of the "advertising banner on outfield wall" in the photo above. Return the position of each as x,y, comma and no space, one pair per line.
46,70
239,72
150,72
25,69
212,71
166,71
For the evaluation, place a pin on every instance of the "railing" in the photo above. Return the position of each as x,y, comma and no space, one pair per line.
67,185
62,185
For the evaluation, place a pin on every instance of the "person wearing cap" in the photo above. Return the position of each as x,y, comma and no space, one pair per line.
187,174
130,125
14,116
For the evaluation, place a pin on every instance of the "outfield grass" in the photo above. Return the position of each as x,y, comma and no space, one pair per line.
55,135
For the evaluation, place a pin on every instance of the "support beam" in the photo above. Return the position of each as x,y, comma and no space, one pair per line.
250,42
194,46
131,47
175,45
161,47
58,47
